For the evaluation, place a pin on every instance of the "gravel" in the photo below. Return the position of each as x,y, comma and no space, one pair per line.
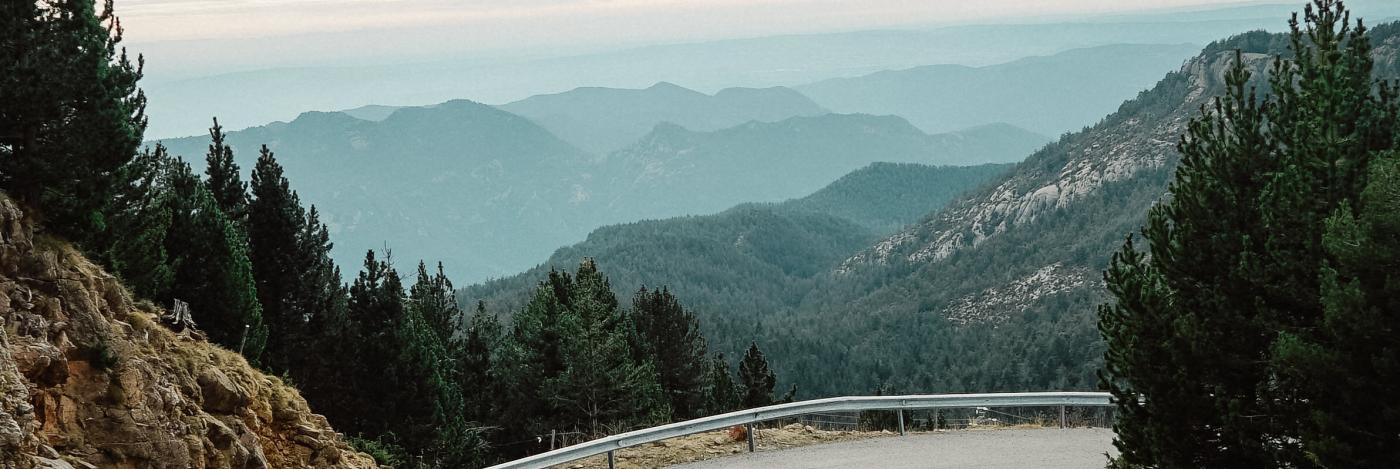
1054,448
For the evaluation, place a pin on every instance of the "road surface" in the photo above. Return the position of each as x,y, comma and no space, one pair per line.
1051,448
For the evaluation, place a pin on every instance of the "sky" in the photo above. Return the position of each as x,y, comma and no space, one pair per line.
514,24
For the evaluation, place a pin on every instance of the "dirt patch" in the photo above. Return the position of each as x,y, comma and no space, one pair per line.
702,446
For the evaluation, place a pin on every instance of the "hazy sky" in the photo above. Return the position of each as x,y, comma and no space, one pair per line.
498,24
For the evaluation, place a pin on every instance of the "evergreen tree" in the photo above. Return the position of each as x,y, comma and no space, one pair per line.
476,358
431,411
320,299
1349,369
223,179
670,337
601,383
376,310
1199,336
756,379
276,224
139,256
721,393
435,300
72,116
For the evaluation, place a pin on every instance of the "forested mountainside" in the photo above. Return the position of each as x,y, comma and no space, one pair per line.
998,290
602,120
884,197
1050,95
490,193
90,376
674,171
753,259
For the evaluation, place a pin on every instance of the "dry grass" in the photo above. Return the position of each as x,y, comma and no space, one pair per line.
702,446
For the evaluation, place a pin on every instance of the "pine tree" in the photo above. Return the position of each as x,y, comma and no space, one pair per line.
477,355
721,393
756,379
73,115
601,383
223,179
320,299
1349,369
376,310
436,301
1199,334
139,256
276,223
670,337
431,412
209,264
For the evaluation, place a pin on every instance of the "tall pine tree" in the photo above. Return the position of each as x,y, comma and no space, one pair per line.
276,223
223,178
72,117
670,337
756,379
1199,337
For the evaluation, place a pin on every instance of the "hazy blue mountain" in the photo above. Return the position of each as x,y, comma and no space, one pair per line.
372,112
755,257
1050,95
997,290
602,120
481,189
240,96
490,192
707,172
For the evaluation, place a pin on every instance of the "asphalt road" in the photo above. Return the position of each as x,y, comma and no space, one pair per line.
1051,448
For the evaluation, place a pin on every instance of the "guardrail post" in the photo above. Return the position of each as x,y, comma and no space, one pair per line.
1062,416
749,427
612,460
901,422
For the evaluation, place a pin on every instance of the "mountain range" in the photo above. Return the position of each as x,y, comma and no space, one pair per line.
997,290
1049,95
243,88
489,192
602,120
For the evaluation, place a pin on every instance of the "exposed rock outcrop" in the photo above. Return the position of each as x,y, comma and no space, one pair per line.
88,378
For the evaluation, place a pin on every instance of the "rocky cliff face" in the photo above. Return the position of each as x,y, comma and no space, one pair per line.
89,378
1048,226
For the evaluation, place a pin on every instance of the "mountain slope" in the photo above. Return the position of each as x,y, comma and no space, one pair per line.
884,197
601,120
1050,95
476,187
755,259
89,378
769,162
998,290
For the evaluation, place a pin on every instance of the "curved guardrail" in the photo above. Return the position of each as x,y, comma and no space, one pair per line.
834,404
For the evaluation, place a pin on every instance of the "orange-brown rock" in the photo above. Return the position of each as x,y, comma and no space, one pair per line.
88,378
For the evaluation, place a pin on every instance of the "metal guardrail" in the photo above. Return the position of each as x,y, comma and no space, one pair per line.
749,417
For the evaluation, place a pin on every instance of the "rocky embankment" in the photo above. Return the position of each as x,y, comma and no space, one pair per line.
90,378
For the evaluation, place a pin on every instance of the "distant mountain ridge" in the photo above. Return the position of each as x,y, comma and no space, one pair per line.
489,192
461,181
998,289
1050,94
711,171
602,120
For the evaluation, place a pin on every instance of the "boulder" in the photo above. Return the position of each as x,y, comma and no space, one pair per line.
221,394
